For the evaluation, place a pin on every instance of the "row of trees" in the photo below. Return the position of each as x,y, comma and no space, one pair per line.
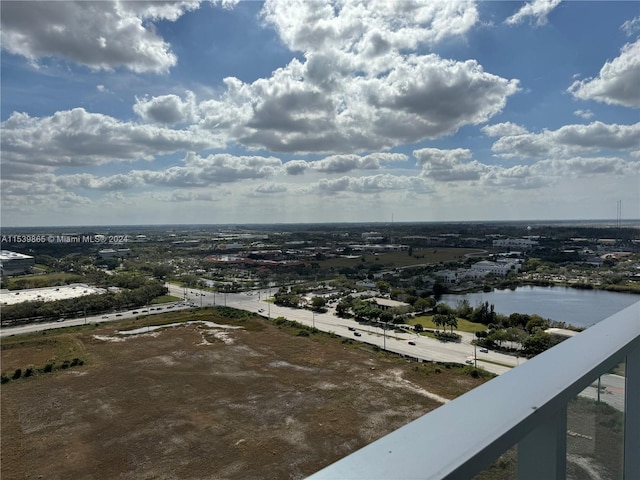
141,294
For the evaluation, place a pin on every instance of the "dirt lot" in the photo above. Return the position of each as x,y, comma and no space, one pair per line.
197,401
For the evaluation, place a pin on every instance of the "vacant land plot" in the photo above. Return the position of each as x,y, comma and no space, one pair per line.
198,401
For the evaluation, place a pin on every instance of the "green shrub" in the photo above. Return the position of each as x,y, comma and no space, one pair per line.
4,379
28,372
17,374
48,368
303,333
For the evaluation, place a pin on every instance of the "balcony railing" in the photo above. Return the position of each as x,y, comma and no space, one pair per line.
526,406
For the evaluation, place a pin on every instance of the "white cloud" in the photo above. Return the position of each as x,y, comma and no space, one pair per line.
372,184
503,129
167,109
359,87
447,165
418,97
296,167
537,9
346,163
367,29
630,27
77,137
213,169
270,188
586,114
617,82
569,140
98,35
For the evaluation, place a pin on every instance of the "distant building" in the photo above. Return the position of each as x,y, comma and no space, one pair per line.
12,263
113,253
495,268
386,304
522,243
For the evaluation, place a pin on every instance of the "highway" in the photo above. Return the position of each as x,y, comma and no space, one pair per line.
425,348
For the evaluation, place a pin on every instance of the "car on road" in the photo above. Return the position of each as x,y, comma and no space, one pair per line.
484,350
135,311
118,314
105,316
352,329
412,343
469,361
261,310
357,334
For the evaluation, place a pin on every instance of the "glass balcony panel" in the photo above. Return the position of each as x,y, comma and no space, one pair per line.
595,429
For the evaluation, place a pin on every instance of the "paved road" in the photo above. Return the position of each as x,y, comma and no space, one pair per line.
425,348
111,317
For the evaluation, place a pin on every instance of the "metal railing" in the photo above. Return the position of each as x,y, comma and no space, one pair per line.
526,406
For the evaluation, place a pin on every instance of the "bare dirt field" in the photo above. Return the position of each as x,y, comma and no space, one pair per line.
196,401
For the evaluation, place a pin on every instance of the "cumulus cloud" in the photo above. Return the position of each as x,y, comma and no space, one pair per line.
503,129
617,82
296,167
569,140
167,109
372,184
270,188
586,114
346,163
538,10
98,35
417,97
369,28
358,86
447,165
77,137
214,169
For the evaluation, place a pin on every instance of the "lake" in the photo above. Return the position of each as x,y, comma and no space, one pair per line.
581,308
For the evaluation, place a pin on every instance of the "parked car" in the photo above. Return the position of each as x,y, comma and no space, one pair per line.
484,350
357,334
412,343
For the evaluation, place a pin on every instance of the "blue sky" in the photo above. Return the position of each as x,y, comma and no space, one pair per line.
296,111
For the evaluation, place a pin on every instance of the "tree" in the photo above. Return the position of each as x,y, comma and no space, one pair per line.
382,286
452,321
342,308
386,316
422,304
464,309
439,320
318,303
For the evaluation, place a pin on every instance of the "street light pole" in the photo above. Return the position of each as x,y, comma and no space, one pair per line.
384,335
313,319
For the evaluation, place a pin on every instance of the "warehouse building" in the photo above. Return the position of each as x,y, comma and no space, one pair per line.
13,263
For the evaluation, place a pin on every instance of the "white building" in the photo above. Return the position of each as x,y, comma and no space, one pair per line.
12,263
495,268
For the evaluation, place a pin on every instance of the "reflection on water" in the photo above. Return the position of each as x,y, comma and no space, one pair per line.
581,308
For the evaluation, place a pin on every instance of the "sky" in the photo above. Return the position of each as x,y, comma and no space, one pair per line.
226,112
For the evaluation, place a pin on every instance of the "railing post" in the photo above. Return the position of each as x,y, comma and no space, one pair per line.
543,452
632,415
